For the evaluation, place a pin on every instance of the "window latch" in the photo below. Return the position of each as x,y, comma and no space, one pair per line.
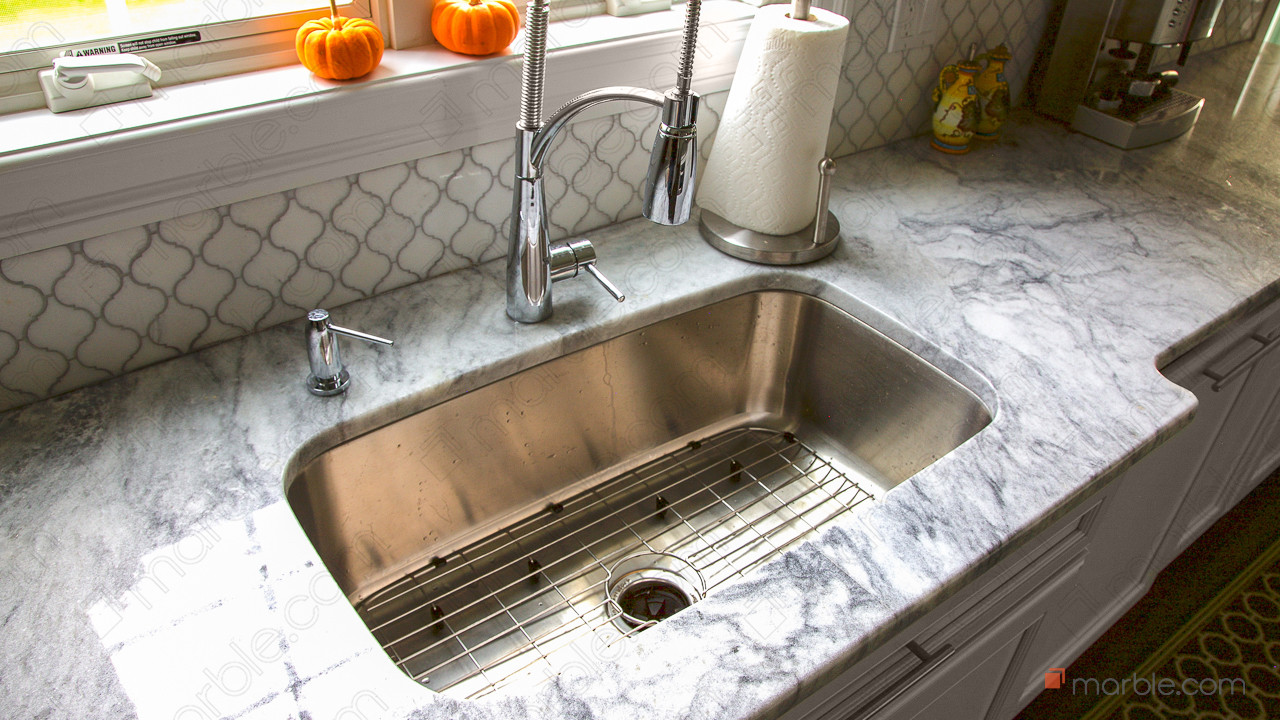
80,82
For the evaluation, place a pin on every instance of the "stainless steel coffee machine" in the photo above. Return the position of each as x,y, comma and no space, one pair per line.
1100,76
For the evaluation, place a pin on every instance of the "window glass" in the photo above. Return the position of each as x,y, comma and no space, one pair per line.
60,22
32,24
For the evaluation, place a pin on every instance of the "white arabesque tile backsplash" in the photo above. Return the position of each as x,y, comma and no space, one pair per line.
91,310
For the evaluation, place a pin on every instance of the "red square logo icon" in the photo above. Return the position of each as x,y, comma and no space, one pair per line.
1054,678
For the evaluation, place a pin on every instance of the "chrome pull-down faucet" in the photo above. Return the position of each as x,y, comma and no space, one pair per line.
532,264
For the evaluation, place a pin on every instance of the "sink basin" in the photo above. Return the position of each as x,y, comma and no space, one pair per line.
586,498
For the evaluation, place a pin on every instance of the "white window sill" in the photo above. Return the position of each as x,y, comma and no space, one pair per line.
192,147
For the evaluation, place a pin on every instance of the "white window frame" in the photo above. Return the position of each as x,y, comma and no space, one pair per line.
246,45
88,173
225,48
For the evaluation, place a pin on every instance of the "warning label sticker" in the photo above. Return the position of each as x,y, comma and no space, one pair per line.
95,50
159,41
139,45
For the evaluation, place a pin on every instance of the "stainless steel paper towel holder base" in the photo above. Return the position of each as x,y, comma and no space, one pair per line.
817,240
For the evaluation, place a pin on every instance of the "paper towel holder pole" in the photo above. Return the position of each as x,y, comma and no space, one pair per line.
800,9
816,241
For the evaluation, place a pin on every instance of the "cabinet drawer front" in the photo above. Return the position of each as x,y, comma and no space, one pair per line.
985,678
1244,355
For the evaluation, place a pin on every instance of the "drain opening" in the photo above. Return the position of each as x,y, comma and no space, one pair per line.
651,600
649,587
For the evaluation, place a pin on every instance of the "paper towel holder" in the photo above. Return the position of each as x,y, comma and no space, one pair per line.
817,240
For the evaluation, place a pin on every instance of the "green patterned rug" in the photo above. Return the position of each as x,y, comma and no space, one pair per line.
1224,664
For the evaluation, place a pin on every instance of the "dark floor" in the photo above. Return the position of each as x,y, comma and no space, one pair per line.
1234,655
1189,583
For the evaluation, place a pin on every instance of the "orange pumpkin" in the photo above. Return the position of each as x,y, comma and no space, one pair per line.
475,27
339,48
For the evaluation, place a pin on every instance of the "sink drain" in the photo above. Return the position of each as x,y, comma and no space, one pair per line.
649,587
652,599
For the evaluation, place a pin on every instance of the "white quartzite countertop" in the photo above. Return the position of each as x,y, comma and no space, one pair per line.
150,565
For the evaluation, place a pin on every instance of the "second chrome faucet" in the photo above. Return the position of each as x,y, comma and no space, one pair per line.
532,263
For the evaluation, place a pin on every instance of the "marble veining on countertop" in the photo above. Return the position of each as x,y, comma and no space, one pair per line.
151,566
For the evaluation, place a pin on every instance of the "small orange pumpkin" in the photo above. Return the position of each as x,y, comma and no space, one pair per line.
339,48
475,27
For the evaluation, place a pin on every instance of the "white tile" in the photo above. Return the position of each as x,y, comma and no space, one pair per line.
366,270
60,328
307,287
134,306
323,197
415,197
260,213
118,248
107,348
21,305
87,285
205,286
245,306
41,269
297,229
390,234
231,247
8,347
178,326
270,269
191,231
78,375
384,181
358,213
161,265
33,369
421,254
332,251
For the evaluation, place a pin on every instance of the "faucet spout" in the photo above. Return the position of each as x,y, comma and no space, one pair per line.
673,162
668,189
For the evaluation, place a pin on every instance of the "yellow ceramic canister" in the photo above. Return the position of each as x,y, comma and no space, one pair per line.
993,94
956,116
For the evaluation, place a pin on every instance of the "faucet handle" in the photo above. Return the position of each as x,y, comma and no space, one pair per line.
605,282
567,258
328,375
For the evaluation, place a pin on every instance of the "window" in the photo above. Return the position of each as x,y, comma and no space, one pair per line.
210,143
190,39
193,39
30,24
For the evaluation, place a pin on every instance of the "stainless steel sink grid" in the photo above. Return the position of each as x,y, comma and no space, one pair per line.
478,616
429,523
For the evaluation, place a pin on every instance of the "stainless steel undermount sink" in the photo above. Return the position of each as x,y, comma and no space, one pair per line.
593,495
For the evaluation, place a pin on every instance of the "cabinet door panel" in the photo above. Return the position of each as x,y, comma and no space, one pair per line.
1120,568
1259,418
983,679
971,695
1209,450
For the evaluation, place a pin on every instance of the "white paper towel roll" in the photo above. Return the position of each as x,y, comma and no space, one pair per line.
763,169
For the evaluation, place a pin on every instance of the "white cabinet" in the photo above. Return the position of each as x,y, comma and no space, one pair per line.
1236,377
1168,498
1119,569
980,677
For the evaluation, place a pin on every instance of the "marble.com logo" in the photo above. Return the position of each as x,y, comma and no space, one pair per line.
1057,678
